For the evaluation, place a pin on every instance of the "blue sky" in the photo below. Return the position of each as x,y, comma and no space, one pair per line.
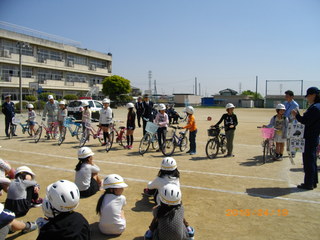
224,43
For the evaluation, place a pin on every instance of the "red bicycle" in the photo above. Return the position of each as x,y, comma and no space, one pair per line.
118,133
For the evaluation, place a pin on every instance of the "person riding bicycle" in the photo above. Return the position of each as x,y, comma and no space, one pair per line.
230,122
162,120
280,123
9,112
31,118
51,111
105,120
62,114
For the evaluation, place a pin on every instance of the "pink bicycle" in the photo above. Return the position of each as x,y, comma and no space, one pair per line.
89,130
51,131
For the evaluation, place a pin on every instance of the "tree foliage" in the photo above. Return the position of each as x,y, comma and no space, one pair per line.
44,96
252,94
70,97
115,87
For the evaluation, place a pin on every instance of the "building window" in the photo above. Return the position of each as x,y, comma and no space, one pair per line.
44,54
13,48
98,63
49,75
8,71
77,59
72,77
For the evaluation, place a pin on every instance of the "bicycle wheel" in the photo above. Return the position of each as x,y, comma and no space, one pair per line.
37,135
122,138
62,135
78,132
223,145
265,146
168,147
11,130
272,150
154,140
144,144
84,138
109,144
212,148
183,143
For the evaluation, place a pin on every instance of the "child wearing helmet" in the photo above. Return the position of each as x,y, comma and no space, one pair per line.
86,115
280,123
230,122
62,221
131,118
87,178
110,206
62,114
168,173
105,120
168,222
162,120
23,192
192,127
31,118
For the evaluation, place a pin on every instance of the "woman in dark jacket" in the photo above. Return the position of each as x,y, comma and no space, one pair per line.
311,120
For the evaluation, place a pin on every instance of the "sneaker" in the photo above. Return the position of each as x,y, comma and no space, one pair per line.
32,226
37,203
104,144
130,147
41,222
148,235
190,232
192,153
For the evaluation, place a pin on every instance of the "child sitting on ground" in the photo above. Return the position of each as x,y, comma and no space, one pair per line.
168,222
168,173
6,173
63,222
23,192
87,179
280,123
110,206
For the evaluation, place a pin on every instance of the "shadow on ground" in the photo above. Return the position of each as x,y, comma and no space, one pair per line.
96,234
271,192
255,161
144,205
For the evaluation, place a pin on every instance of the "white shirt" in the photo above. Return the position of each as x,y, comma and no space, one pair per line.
4,167
83,176
105,116
159,182
31,115
111,221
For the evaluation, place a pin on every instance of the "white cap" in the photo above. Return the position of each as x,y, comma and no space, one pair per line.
8,95
130,105
62,103
280,107
106,100
230,105
85,152
24,169
114,181
50,97
161,107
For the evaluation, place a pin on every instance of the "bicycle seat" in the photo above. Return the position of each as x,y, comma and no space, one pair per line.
122,127
222,134
182,133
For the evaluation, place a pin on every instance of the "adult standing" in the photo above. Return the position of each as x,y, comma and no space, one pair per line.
311,120
290,104
139,110
147,111
9,112
51,110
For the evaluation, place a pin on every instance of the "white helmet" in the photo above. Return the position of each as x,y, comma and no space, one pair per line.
63,195
114,181
130,105
280,107
189,109
230,105
85,152
161,107
62,103
47,208
168,164
170,194
50,97
24,169
30,105
106,100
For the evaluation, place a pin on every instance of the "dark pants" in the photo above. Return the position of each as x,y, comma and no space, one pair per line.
139,116
161,135
192,140
144,124
230,137
310,162
8,120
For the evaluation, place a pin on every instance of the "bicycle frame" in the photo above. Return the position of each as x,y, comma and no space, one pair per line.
52,129
216,142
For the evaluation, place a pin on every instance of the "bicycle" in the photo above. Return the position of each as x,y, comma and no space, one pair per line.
217,141
150,137
74,128
120,135
89,130
51,131
171,143
25,126
269,148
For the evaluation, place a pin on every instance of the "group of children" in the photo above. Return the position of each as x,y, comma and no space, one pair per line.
62,197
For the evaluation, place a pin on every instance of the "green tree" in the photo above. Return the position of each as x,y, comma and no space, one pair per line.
251,94
30,98
115,87
44,96
70,97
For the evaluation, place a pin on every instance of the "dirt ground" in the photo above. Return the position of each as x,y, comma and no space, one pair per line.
216,193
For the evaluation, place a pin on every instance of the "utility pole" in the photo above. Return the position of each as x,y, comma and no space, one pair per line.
150,76
195,86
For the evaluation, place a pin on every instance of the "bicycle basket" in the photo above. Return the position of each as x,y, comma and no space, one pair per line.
212,132
151,127
16,121
267,133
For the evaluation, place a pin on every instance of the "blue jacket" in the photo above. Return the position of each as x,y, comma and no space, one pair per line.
311,120
8,109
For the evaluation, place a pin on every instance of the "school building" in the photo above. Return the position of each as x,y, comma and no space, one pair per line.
49,64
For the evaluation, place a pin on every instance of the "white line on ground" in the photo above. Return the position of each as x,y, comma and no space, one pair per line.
149,167
184,186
